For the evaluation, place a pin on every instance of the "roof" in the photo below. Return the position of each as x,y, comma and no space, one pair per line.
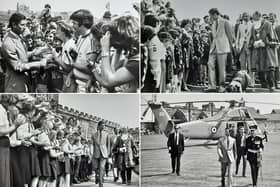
275,111
272,117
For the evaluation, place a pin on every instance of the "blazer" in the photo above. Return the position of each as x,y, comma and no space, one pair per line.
100,147
226,152
14,54
176,149
222,37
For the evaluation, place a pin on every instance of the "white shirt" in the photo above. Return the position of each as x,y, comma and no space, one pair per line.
242,141
177,138
4,122
67,47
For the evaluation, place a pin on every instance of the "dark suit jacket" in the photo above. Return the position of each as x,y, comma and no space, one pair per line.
238,142
176,149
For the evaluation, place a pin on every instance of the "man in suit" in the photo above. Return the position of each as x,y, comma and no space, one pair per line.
222,41
241,150
15,56
101,150
175,146
226,152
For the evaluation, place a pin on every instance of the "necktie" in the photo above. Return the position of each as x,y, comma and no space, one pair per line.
100,137
227,142
216,25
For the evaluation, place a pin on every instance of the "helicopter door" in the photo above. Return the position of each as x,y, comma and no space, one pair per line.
232,128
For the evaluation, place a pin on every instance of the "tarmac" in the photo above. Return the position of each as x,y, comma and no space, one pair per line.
200,166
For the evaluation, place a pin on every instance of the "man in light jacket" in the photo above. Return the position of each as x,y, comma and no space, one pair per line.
222,41
227,153
101,142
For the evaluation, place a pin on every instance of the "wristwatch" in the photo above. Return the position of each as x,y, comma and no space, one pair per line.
105,54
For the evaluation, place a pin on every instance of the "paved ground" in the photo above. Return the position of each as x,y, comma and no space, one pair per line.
258,89
199,165
108,182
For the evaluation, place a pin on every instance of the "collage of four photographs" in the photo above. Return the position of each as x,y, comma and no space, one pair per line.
139,93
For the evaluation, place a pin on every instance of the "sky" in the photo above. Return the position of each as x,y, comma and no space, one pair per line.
199,8
259,98
97,7
120,108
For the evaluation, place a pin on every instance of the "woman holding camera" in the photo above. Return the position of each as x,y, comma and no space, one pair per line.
124,149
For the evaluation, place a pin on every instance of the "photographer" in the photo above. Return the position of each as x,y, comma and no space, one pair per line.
123,35
125,148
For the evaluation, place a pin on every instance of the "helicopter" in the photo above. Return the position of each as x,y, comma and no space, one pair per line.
210,128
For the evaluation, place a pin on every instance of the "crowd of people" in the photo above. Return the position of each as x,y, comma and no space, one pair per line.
46,54
210,53
41,148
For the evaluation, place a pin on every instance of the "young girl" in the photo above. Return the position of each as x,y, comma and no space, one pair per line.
43,154
54,154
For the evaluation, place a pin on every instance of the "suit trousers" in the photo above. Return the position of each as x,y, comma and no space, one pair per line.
175,162
99,169
241,154
220,61
254,171
226,166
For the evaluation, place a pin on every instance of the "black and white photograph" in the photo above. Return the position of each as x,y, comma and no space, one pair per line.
210,46
213,140
69,140
54,46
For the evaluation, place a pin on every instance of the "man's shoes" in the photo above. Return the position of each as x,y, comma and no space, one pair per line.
243,175
128,183
173,171
178,174
116,179
272,89
76,180
221,89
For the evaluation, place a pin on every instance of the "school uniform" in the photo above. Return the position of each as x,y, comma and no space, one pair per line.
44,156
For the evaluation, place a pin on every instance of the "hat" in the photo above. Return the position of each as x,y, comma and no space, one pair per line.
253,127
107,15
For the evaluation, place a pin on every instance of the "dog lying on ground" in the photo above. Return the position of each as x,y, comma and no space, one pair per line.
240,82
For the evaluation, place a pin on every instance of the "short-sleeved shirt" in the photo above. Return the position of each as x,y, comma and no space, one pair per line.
67,47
